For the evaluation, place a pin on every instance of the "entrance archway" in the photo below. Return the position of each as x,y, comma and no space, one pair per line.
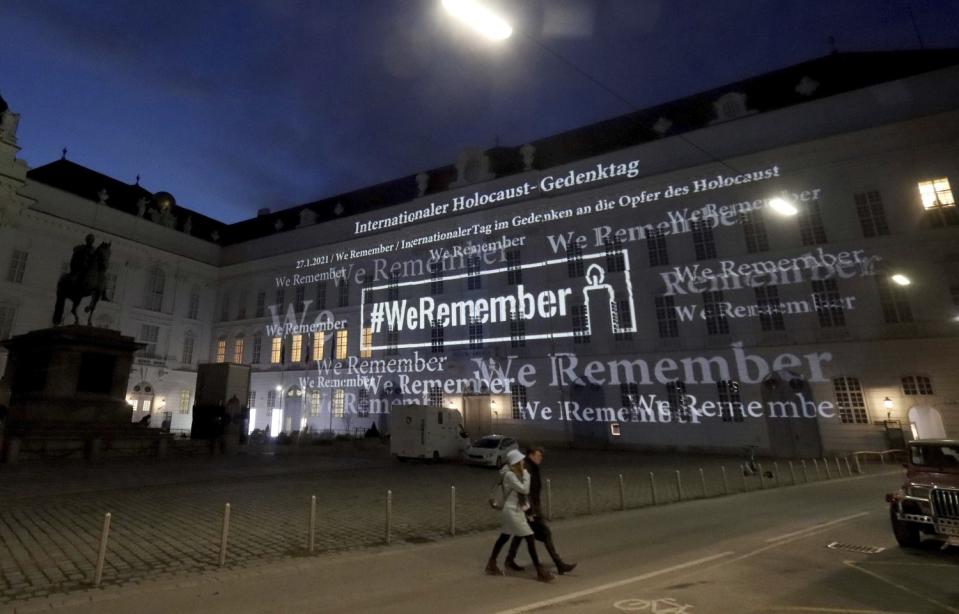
926,423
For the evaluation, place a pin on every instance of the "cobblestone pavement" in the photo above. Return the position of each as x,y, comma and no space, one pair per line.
167,514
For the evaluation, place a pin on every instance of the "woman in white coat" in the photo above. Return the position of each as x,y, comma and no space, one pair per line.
515,488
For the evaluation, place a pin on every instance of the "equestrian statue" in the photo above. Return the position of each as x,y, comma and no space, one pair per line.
87,277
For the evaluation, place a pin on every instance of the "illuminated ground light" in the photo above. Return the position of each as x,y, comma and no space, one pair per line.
901,279
782,206
479,17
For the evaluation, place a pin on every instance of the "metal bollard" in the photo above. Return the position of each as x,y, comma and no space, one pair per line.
589,495
762,476
792,474
838,468
224,533
825,464
848,466
702,482
725,480
805,473
815,463
858,466
549,500
102,552
452,510
622,492
776,473
652,486
389,517
679,486
311,543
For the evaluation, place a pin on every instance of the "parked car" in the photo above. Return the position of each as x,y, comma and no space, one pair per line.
928,502
490,450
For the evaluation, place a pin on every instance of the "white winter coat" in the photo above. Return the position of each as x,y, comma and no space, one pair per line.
513,516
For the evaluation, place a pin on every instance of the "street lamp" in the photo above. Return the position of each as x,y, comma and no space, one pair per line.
783,206
900,279
479,17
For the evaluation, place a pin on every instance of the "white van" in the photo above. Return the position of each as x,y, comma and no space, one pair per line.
421,431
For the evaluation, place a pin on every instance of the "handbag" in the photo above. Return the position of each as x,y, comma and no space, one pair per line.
497,496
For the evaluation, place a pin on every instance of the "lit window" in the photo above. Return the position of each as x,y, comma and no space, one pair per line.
221,350
850,400
936,193
314,402
341,339
238,345
276,351
339,402
296,349
366,350
318,340
914,385
185,401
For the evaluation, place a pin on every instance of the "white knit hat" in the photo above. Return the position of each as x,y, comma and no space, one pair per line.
514,456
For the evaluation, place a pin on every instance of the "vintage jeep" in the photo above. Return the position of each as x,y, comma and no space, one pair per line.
928,503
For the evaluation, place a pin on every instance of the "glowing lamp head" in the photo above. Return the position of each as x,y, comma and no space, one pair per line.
900,279
887,403
279,388
783,206
480,18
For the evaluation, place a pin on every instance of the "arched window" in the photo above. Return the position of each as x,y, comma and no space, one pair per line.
238,343
141,397
220,350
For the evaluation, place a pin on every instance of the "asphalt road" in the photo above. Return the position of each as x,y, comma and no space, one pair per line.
766,551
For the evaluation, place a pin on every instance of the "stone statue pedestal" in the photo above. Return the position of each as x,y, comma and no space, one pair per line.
68,393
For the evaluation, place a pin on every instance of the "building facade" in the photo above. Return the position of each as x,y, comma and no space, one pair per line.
769,264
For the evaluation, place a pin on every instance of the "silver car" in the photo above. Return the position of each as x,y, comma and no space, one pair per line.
490,451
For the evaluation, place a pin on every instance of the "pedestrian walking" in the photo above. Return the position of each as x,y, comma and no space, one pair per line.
537,521
516,483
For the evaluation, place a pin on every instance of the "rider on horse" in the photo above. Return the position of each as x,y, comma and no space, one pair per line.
82,259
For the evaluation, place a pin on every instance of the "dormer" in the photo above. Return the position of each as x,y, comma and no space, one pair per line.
729,106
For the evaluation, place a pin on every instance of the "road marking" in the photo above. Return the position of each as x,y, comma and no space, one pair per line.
612,585
905,589
815,527
666,605
834,610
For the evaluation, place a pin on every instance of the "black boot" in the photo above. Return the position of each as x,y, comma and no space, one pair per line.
492,569
512,566
562,567
511,556
542,574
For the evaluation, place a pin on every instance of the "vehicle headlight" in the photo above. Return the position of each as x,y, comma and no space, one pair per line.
918,491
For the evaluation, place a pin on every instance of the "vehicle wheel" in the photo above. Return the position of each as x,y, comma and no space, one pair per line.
436,456
402,459
907,533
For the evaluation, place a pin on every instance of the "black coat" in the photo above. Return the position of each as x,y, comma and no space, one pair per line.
535,487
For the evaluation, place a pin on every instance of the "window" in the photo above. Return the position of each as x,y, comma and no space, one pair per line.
615,258
517,330
392,341
811,228
703,240
225,307
434,396
436,280
156,281
574,260
476,333
271,399
260,304
251,401
257,348
768,306
936,193
296,348
241,305
914,385
393,288
676,397
314,402
849,398
714,308
754,230
193,307
343,293
7,314
149,335
473,280
517,394
622,319
580,324
276,350
189,341
220,350
363,402
828,303
320,298
299,297
629,397
656,244
894,302
339,402
18,266
366,346
239,344
185,395
319,339
341,340
280,299
730,401
872,216
666,317
514,274
437,337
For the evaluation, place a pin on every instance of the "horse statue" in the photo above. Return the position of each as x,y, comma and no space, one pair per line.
87,277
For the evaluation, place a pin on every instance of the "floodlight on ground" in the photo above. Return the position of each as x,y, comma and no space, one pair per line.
783,206
480,18
900,279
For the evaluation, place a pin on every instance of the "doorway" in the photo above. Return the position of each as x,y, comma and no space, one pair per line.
477,415
926,423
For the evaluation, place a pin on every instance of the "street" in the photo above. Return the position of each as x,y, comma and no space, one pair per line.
821,547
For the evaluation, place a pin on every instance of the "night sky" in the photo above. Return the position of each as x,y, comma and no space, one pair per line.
233,106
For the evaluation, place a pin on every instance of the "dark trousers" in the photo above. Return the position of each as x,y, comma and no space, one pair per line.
514,546
541,532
